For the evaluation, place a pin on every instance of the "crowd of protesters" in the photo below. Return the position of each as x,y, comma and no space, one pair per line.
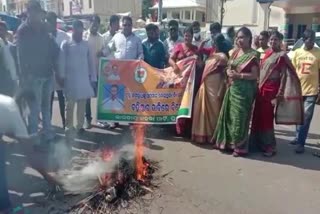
242,84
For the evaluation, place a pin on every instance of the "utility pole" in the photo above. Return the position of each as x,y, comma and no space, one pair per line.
160,4
222,11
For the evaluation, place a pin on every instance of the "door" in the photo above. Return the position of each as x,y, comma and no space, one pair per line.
301,29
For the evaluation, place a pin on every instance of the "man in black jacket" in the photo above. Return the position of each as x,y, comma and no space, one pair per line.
37,60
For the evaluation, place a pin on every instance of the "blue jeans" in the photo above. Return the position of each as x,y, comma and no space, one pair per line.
42,89
302,131
4,195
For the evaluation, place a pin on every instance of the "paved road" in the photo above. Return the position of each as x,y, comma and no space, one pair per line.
202,180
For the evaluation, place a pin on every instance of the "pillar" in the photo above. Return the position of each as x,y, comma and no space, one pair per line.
263,21
315,23
285,27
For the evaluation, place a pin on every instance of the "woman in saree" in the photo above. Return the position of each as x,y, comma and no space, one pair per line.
209,98
279,88
180,52
231,133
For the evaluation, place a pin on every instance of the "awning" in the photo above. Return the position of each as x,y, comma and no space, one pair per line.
178,4
296,3
124,14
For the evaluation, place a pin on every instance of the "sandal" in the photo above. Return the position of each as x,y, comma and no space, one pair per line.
237,154
268,154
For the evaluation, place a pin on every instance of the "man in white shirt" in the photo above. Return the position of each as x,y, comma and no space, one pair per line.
114,103
125,44
113,29
112,73
197,40
13,113
96,42
59,36
11,123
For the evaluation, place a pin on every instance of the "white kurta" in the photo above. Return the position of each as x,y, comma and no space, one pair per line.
77,68
11,120
60,37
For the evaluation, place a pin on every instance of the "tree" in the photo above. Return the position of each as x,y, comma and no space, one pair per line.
146,4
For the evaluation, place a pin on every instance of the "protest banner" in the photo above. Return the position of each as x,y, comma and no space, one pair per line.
131,91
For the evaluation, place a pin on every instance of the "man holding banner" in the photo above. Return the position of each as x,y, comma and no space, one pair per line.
126,45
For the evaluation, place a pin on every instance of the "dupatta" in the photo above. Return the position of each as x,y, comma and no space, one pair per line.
240,64
288,111
214,64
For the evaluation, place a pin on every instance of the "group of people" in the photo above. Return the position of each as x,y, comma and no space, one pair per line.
237,88
245,91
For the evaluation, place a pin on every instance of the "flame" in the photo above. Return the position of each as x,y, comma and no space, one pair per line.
141,167
106,155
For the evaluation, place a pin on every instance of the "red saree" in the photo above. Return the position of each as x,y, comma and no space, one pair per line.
277,78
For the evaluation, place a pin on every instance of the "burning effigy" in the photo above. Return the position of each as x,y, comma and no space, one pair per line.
112,180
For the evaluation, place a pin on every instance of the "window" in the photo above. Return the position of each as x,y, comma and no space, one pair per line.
164,15
199,16
187,15
176,14
90,3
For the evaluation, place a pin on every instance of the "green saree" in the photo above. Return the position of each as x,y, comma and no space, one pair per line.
234,120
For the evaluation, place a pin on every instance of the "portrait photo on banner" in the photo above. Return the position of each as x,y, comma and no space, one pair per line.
113,97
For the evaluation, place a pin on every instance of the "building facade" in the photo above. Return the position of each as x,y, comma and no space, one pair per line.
188,11
103,8
299,16
252,14
291,17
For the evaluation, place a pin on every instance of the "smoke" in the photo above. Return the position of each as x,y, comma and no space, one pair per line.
86,178
62,154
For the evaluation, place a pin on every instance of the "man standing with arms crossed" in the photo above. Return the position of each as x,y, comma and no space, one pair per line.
306,60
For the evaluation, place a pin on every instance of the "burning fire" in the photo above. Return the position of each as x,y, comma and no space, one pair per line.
141,165
123,175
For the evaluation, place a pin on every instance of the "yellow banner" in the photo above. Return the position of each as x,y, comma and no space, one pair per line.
133,91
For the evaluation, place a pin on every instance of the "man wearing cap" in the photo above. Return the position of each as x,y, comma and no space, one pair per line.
37,60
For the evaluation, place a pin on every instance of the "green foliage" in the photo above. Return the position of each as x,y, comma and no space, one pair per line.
146,4
103,28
